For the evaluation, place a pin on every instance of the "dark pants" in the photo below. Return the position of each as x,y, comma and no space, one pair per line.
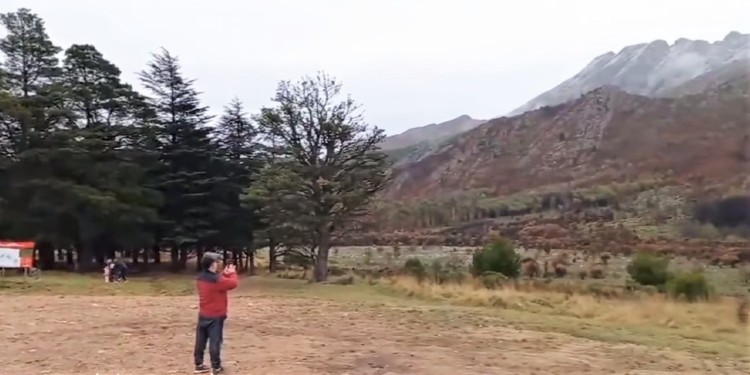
211,331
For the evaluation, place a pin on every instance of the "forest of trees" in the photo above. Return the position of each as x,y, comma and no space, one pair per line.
91,169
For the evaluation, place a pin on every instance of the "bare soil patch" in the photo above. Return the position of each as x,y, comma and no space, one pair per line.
289,335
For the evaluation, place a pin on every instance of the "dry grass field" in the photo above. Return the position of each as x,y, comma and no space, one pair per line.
70,324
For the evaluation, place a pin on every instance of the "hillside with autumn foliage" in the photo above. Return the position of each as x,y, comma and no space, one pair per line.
608,169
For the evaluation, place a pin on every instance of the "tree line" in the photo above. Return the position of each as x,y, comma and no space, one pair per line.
91,168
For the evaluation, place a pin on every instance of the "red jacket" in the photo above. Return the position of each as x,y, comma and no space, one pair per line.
212,291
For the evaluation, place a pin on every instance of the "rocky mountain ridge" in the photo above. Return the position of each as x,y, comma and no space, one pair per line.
605,135
650,69
430,133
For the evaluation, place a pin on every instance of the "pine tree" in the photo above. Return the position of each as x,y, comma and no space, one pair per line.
236,137
190,164
31,113
113,203
30,56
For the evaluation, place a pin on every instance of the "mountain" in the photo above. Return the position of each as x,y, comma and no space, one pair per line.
650,69
736,70
430,133
603,136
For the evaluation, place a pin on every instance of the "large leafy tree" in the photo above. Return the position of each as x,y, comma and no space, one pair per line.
189,176
328,148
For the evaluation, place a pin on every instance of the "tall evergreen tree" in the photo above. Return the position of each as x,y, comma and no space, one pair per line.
31,113
190,164
236,137
30,56
113,205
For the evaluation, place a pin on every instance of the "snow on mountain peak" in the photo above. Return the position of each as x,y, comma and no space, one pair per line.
649,69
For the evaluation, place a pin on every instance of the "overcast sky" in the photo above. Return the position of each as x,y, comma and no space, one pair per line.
408,62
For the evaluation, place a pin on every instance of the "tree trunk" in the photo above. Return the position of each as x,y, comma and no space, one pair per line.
46,253
174,254
145,258
135,257
272,262
251,262
69,261
183,258
198,257
321,260
85,257
156,253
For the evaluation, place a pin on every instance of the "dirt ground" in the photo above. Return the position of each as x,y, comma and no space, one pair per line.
284,335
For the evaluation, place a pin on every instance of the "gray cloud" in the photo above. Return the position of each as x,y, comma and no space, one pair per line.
409,62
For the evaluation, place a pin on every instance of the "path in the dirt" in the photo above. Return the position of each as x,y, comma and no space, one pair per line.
152,335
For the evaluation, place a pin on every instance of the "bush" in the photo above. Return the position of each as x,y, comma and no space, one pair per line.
492,280
499,256
649,269
451,270
560,270
691,285
414,267
596,273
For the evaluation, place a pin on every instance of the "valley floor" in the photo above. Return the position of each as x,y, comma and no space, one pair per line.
303,332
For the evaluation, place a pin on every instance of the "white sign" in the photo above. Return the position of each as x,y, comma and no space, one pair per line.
10,258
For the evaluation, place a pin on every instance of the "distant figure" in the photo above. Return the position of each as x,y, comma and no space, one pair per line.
108,271
120,270
212,292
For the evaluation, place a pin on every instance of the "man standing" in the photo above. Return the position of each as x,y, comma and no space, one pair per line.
212,291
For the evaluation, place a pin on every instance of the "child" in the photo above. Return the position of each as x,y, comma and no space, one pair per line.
107,271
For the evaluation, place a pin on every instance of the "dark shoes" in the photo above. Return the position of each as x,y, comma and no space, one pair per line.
203,369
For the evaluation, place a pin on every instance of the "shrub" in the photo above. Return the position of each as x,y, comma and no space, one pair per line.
649,269
437,272
531,269
691,285
499,256
582,274
596,273
414,267
605,257
492,280
560,270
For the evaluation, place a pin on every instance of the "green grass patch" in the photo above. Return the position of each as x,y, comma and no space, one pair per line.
54,283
